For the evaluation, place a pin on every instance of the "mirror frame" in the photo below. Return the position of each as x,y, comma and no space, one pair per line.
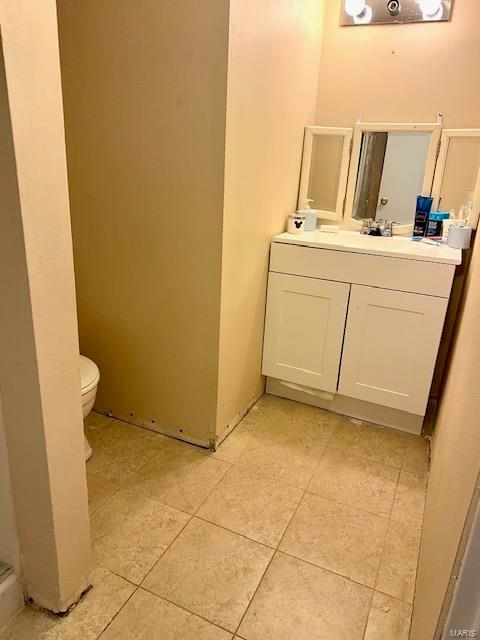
310,133
447,136
364,127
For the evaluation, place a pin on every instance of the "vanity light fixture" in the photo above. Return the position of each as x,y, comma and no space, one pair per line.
431,9
355,8
362,12
365,17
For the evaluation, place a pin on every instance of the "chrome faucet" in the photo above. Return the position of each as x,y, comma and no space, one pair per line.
387,231
381,228
366,226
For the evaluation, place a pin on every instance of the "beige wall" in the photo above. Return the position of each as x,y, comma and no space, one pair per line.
273,64
39,365
455,462
144,93
401,73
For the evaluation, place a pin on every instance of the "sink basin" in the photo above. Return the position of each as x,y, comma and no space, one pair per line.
355,242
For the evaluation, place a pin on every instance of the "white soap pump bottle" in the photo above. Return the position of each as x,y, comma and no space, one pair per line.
310,216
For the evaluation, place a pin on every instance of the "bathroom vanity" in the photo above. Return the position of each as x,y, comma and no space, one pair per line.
354,323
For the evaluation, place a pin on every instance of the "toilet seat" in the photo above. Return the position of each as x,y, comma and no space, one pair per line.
89,375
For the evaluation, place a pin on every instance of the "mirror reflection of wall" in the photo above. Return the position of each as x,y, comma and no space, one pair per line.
391,174
325,172
461,173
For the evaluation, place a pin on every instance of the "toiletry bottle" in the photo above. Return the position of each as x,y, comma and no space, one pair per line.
424,205
435,223
310,216
467,212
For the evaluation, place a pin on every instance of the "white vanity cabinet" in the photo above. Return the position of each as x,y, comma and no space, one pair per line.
391,345
353,324
305,325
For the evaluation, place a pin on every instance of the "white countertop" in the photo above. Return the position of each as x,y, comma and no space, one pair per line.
355,242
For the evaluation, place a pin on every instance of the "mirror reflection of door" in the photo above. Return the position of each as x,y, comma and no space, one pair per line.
391,174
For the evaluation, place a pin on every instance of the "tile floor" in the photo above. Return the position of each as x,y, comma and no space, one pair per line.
302,526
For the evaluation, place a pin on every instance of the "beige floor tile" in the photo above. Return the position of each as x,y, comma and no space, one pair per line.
417,457
341,539
180,475
131,531
372,442
99,490
85,622
119,449
389,619
355,481
409,503
211,572
293,461
398,567
234,444
297,601
285,418
252,504
148,617
96,421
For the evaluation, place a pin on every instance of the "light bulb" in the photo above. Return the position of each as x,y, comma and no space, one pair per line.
365,17
430,7
354,8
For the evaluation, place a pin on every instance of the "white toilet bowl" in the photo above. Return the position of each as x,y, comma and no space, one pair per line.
89,376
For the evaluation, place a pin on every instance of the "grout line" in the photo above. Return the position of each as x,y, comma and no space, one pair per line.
275,553
165,551
389,595
328,442
254,594
175,604
236,533
121,608
382,555
317,566
213,488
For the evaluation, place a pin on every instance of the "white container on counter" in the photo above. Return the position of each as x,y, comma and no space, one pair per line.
296,222
459,237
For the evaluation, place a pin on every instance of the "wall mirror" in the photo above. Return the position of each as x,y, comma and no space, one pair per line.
377,170
326,155
391,164
457,177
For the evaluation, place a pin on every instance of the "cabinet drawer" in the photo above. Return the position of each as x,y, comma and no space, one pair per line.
304,329
390,348
429,278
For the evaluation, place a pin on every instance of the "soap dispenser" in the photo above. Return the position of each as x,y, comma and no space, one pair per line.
310,216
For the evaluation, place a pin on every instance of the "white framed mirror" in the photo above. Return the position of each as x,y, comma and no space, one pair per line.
457,177
323,180
391,164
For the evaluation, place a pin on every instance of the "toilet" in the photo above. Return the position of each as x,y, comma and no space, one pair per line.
89,376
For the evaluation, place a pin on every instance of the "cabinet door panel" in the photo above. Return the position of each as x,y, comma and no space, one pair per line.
391,345
304,330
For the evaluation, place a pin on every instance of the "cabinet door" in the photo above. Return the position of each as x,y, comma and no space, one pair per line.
304,330
390,349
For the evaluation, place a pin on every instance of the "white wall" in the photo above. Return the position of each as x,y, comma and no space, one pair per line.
39,358
400,73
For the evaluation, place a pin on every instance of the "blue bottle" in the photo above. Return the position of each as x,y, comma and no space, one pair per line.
424,206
